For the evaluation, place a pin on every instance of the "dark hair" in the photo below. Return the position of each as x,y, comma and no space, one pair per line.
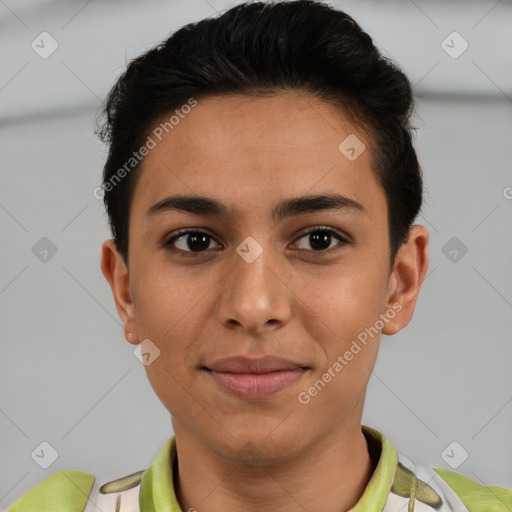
266,48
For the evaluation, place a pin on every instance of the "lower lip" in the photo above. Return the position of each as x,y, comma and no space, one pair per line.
256,385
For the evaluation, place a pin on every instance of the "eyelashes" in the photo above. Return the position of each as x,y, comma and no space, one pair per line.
195,241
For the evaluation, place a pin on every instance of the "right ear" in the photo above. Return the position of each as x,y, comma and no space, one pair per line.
116,273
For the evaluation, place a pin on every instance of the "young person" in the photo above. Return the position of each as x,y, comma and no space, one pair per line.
261,187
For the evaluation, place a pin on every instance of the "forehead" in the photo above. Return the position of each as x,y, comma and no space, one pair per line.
250,150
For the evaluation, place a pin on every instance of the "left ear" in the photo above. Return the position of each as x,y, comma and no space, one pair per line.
409,270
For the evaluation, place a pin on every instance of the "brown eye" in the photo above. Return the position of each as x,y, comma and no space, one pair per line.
191,241
320,239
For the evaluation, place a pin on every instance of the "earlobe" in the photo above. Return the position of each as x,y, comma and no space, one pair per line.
116,273
130,337
409,270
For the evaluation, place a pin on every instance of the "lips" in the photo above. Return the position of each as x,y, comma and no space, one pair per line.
241,364
258,378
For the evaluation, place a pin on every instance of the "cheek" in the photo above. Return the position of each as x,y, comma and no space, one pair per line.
168,319
163,300
346,300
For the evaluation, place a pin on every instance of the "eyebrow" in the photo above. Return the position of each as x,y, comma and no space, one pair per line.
200,205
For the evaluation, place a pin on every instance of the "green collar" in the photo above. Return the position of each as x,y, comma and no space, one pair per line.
157,489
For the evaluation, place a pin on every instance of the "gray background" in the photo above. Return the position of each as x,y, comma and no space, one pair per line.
67,375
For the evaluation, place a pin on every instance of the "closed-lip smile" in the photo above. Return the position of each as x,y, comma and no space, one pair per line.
254,378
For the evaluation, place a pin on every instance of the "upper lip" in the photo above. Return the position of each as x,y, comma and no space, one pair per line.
242,364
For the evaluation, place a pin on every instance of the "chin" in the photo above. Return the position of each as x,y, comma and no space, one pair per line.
259,445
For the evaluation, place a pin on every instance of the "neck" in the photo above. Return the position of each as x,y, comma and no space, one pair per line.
330,475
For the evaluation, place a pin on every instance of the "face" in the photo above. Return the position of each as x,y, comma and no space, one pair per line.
258,291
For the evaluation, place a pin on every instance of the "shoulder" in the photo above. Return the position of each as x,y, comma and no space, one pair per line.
447,490
477,497
63,490
420,488
76,491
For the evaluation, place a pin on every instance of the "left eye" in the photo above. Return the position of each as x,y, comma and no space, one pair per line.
320,239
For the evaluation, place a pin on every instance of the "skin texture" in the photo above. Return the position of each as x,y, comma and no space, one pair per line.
292,301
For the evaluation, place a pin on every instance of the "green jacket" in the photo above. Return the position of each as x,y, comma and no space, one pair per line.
397,485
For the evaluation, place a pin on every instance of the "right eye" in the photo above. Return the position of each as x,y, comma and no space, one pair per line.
190,242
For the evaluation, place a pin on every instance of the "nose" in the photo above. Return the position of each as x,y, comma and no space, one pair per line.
254,295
